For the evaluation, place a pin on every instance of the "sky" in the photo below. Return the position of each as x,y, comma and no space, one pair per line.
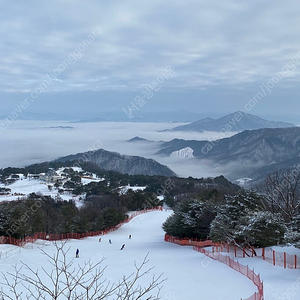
86,57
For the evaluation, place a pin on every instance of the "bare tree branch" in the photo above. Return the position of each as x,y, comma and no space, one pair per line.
77,282
282,193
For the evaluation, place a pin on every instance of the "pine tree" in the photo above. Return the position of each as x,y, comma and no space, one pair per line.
191,218
232,217
264,229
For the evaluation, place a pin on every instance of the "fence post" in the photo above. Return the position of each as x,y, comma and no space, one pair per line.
295,261
284,260
234,250
274,262
263,253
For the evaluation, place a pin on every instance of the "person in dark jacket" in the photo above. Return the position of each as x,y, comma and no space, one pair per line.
123,246
77,253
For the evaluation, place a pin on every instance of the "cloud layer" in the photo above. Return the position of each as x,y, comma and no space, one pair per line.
221,52
28,142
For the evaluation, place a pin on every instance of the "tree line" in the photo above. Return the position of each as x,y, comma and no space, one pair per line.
38,213
268,216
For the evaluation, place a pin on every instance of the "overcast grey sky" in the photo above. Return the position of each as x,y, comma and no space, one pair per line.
89,56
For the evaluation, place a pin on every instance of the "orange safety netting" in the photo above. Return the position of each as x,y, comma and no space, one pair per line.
281,259
244,270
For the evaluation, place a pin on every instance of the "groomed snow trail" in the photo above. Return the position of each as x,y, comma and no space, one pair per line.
190,275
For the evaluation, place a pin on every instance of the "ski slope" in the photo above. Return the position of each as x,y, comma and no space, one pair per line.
190,275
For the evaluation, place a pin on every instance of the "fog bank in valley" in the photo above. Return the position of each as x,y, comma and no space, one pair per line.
27,142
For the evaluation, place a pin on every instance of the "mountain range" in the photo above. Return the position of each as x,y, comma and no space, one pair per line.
140,116
252,152
237,121
126,164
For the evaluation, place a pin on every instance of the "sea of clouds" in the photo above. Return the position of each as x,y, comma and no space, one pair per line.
27,142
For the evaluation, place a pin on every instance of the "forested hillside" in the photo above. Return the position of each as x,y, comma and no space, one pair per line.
103,202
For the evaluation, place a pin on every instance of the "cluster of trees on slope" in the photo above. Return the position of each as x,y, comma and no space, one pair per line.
267,217
181,188
40,213
117,179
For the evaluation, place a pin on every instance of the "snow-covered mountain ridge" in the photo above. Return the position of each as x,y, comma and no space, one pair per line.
186,152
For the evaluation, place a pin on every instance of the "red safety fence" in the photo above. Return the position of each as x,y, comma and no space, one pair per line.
276,258
237,251
64,236
244,270
189,241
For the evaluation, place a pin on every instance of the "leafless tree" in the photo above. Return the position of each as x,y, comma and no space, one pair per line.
66,281
282,193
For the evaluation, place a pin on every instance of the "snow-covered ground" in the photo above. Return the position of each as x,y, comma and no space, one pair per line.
279,283
243,181
24,186
125,189
288,249
190,275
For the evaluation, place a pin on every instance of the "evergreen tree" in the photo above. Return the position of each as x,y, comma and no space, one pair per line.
112,216
233,215
5,215
292,235
191,218
263,229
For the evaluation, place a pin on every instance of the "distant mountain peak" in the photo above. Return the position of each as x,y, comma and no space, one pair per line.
137,139
236,121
